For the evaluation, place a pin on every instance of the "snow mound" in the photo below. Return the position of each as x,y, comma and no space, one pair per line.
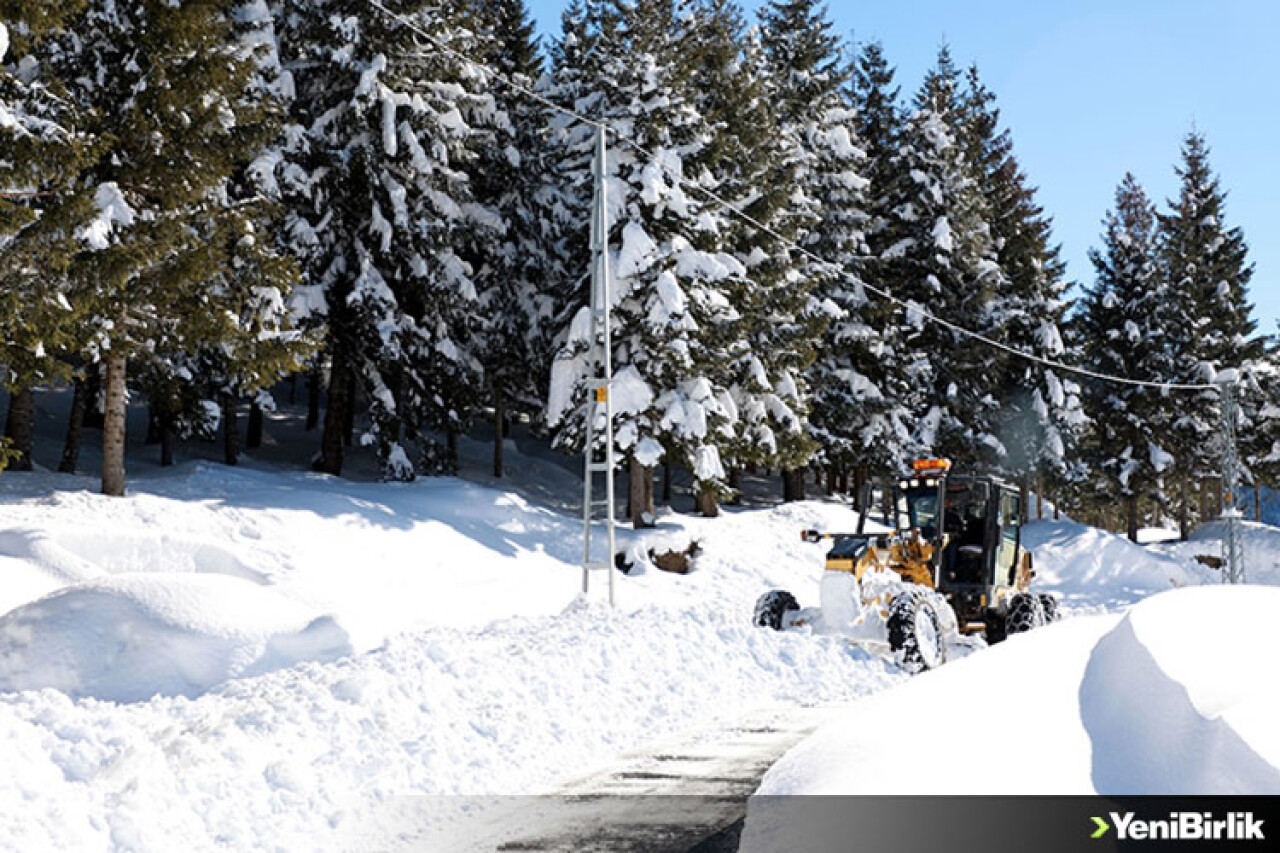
1093,569
901,741
129,637
1182,696
1177,697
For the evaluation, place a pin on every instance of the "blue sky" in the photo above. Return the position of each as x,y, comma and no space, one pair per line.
1092,89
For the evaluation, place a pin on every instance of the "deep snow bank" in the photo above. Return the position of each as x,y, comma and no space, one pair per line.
1182,697
1179,696
132,636
1092,569
1007,720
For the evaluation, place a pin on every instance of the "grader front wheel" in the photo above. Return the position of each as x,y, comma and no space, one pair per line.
915,632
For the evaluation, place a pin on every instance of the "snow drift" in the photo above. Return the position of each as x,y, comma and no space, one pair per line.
1176,697
1181,698
1093,570
133,636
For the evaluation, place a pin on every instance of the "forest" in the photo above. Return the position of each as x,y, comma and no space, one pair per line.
814,270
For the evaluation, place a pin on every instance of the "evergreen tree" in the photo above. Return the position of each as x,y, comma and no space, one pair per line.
41,208
167,94
381,214
940,258
1206,265
515,270
1125,329
875,411
1040,414
753,170
626,64
828,307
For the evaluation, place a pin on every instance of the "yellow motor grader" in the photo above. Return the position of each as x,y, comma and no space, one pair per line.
954,565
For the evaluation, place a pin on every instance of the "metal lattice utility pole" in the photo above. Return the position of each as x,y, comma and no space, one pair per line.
600,360
1232,546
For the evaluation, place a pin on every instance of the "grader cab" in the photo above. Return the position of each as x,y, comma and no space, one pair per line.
953,565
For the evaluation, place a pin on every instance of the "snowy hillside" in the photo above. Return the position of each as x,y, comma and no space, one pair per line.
425,638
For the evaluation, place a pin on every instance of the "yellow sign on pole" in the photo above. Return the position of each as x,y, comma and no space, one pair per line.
602,393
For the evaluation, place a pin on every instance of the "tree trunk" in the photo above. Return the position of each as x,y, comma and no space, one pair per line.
94,416
253,434
1040,500
75,427
859,486
451,450
349,422
154,428
833,480
1131,517
313,399
707,504
230,430
793,485
499,428
1206,500
735,483
166,441
640,495
335,416
19,427
293,389
1184,503
113,424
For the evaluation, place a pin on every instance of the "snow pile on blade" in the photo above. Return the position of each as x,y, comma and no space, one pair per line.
1179,696
133,636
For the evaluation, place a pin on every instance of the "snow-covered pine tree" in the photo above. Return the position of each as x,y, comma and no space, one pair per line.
516,269
1206,265
823,306
192,392
626,64
1260,431
754,169
379,208
1123,324
940,258
167,94
878,423
41,207
1040,416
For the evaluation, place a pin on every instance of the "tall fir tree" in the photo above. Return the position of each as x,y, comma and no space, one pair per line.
808,72
168,94
516,270
42,205
1206,265
940,258
1040,415
381,212
1124,324
877,434
626,65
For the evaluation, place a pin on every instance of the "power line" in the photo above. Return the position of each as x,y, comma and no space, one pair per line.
729,206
